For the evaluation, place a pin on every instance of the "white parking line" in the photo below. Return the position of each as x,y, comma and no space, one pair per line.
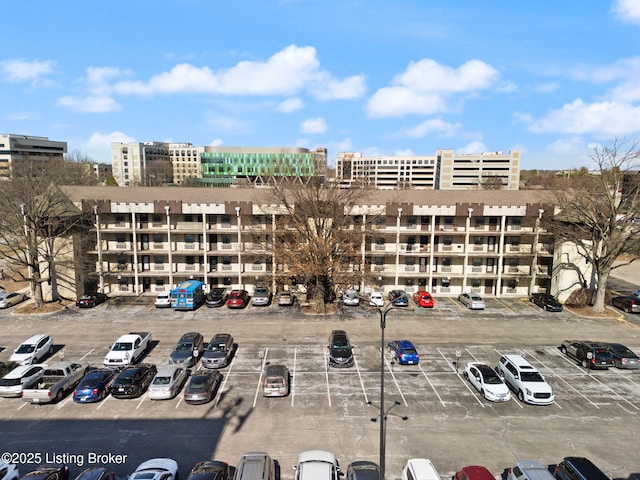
326,374
292,385
395,380
366,400
473,391
87,354
141,401
433,388
264,362
447,360
224,379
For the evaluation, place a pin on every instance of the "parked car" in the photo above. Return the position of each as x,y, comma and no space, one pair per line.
188,350
255,466
630,304
529,470
261,296
404,352
524,379
546,302
9,471
156,469
588,354
376,299
486,381
167,382
340,349
210,470
94,386
133,381
238,299
423,299
96,473
398,298
364,470
91,299
202,387
163,300
9,299
48,472
578,468
317,465
219,351
217,297
473,472
623,357
472,301
33,349
286,299
20,378
419,469
276,381
351,298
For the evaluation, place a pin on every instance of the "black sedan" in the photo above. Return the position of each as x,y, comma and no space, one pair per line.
202,388
48,472
546,302
210,470
133,381
216,297
623,357
90,300
630,304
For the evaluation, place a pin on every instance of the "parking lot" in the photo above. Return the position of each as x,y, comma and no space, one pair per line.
432,411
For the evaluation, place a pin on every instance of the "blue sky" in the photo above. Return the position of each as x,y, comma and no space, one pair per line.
551,79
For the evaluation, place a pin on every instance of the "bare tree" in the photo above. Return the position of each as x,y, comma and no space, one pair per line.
319,238
600,211
38,220
78,169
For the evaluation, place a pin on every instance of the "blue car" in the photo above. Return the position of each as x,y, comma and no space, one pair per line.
404,352
94,386
398,298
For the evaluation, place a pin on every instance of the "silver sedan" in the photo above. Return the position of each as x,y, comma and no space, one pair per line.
167,382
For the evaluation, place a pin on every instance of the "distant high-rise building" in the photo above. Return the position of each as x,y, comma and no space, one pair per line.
136,163
446,170
15,148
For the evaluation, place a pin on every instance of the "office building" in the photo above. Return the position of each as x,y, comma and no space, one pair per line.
15,148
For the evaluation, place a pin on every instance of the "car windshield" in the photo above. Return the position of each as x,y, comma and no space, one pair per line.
10,382
532,377
624,351
340,344
184,347
26,349
198,383
275,381
409,351
162,380
216,347
89,382
492,378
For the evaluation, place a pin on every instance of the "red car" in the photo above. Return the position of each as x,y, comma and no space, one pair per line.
423,299
238,299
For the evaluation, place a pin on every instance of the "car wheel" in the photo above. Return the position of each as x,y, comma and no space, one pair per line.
466,375
563,349
627,310
58,396
520,395
584,363
482,393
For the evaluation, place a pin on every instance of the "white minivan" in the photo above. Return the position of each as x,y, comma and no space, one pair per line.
33,350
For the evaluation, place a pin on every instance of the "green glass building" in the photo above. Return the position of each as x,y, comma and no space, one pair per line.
227,166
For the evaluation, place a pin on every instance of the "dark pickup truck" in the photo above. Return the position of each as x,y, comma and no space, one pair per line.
589,354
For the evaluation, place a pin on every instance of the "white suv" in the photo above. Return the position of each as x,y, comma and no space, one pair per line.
33,350
525,380
317,465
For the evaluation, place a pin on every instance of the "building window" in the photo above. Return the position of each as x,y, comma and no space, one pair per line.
476,262
447,240
478,240
446,262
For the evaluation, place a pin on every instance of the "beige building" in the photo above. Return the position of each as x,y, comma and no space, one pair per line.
185,160
148,240
446,170
14,148
136,163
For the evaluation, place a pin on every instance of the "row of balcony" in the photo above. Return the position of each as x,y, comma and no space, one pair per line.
375,248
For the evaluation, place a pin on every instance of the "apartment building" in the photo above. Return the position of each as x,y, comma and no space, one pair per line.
446,170
135,163
15,148
185,160
147,240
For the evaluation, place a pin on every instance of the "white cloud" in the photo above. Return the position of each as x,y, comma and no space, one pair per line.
473,147
98,79
425,86
404,153
284,73
90,104
627,10
98,146
434,125
34,72
216,142
313,126
290,105
603,118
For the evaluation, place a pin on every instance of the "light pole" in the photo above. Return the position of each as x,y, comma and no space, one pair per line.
383,414
27,237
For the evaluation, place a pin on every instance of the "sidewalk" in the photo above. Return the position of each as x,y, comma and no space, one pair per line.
628,273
